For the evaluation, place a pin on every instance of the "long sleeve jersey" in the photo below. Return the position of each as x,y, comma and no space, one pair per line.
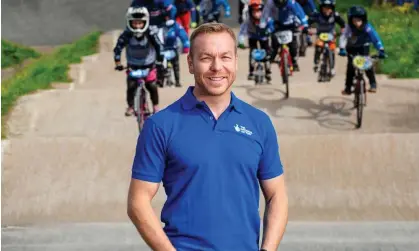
158,10
183,6
356,38
142,51
287,16
172,33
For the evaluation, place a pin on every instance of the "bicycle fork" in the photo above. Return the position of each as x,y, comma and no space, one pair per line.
285,53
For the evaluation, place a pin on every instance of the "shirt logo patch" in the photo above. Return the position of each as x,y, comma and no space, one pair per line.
242,129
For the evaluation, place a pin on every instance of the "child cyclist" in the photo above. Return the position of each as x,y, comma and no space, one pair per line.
326,21
185,12
258,30
171,32
143,49
355,40
210,10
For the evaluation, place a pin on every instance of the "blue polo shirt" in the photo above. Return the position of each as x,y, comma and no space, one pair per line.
210,171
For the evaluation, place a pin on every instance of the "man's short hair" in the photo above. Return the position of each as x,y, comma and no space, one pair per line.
209,28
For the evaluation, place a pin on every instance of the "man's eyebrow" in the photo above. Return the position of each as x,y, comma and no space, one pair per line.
207,53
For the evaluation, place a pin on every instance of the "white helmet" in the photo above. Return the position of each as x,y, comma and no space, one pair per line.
138,13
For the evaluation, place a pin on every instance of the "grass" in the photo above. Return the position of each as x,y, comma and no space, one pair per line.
14,54
399,31
44,71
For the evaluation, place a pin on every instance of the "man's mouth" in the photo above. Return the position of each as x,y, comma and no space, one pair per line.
216,78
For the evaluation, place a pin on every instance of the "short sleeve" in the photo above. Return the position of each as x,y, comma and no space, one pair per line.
270,165
150,155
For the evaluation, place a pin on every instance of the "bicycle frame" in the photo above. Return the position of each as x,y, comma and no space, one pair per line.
141,108
284,53
327,43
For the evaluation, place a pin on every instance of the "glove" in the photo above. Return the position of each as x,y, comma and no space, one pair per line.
382,54
342,52
241,46
194,24
119,66
185,50
227,14
305,29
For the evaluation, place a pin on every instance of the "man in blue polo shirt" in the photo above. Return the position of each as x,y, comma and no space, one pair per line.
211,151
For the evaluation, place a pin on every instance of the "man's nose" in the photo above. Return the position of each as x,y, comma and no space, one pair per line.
217,64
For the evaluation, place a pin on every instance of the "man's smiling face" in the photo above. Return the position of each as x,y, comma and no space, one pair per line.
213,63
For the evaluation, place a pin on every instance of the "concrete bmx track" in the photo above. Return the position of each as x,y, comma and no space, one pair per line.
67,161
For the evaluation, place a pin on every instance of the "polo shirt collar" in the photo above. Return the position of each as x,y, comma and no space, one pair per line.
189,101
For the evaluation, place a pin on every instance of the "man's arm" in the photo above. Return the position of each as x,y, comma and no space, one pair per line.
276,212
271,176
142,215
147,173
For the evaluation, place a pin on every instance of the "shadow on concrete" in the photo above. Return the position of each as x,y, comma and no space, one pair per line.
405,116
331,112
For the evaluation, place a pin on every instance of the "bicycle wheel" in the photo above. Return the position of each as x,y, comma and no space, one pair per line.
331,63
360,99
139,102
259,74
284,72
323,68
303,44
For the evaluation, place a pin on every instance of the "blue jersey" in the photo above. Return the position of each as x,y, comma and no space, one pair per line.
172,33
355,38
213,6
158,10
308,6
287,17
260,31
183,6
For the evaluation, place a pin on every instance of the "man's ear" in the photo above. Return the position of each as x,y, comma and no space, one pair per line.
190,65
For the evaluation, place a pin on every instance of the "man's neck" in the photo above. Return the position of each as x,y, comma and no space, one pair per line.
217,104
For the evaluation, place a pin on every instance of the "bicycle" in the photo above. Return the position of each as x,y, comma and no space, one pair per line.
361,64
141,98
285,62
168,71
258,57
302,43
326,42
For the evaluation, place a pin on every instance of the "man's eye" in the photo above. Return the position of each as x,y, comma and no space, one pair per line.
226,57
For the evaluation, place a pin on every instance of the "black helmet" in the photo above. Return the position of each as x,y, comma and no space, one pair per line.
357,11
280,3
330,3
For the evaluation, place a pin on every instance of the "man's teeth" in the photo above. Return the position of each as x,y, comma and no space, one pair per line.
216,78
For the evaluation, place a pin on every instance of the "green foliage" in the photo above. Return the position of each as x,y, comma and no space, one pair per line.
14,54
46,70
399,31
